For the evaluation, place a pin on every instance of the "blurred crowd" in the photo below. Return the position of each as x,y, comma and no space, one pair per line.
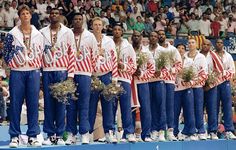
211,18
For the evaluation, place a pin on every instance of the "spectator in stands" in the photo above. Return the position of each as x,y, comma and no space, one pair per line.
162,13
97,8
41,7
196,10
62,17
206,6
139,25
182,27
231,31
14,6
233,11
223,24
10,16
159,23
123,21
112,21
50,3
169,15
2,18
152,6
46,20
88,4
215,27
170,29
193,24
61,3
130,21
205,25
23,49
116,6
35,18
224,88
138,6
126,7
177,14
135,13
214,14
148,27
70,14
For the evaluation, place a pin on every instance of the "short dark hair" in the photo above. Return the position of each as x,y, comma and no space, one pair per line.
77,14
181,44
23,7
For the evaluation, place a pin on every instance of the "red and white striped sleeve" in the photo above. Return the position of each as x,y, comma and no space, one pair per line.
229,71
150,70
71,54
131,66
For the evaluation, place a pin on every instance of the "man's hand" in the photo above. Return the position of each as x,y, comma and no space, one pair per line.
187,84
158,73
137,72
121,66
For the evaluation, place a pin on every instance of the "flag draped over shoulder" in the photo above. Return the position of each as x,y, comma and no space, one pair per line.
199,39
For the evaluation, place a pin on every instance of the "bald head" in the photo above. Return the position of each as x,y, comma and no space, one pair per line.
206,47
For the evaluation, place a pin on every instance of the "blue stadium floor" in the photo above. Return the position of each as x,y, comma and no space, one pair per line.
179,145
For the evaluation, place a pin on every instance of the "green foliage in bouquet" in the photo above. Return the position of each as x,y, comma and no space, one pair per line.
112,90
188,74
97,84
212,78
63,91
142,58
164,59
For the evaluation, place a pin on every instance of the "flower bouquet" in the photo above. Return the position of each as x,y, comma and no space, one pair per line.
212,78
63,91
164,59
112,90
188,74
97,84
142,58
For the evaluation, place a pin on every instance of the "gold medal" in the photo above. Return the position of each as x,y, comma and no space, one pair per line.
53,49
78,54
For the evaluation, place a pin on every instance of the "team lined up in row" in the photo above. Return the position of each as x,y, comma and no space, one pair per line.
78,54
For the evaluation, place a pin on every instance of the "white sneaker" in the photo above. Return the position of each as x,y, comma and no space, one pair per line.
14,142
138,138
123,140
102,139
71,139
60,141
202,136
148,139
110,138
213,136
230,136
161,137
182,137
85,138
155,135
192,138
131,138
170,135
33,142
49,141
119,135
